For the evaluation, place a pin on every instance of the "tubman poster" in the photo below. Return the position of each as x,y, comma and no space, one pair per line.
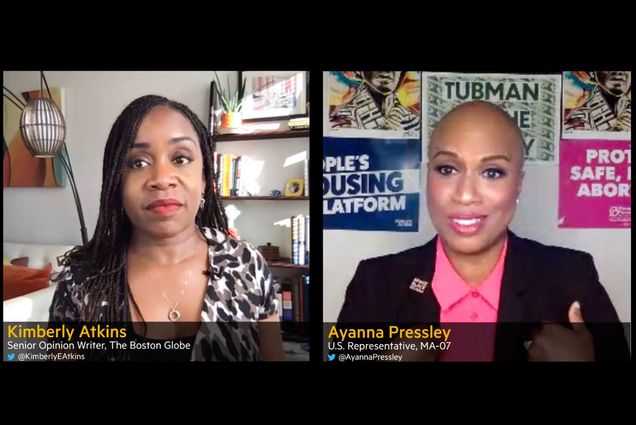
371,184
532,100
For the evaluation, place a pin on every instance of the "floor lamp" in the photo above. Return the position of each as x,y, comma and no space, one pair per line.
43,129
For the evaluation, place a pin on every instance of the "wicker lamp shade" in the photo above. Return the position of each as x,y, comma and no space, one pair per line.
42,127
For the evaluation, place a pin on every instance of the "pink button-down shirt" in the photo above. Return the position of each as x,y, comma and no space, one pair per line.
464,306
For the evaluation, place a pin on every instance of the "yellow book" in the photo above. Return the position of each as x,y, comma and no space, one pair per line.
227,169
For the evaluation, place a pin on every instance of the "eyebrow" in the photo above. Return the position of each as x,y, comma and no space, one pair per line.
484,159
146,145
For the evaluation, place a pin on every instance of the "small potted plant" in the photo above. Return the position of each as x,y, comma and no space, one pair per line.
231,103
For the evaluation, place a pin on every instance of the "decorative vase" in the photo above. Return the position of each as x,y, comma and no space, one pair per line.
231,120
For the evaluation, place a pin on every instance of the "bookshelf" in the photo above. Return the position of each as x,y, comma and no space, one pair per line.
273,160
288,265
262,135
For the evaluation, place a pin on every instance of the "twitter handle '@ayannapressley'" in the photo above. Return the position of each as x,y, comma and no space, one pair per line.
366,357
389,351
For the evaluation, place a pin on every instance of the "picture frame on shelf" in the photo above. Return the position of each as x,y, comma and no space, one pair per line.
274,95
294,187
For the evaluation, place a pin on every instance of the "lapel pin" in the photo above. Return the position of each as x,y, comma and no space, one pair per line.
418,285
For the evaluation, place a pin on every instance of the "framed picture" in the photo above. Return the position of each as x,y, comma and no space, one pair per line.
274,95
294,187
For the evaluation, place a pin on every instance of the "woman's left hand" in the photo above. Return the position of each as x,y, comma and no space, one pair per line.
558,343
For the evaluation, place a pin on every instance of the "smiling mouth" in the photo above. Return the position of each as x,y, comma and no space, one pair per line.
467,226
467,222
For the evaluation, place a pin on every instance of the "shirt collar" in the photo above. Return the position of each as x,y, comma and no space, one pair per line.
449,287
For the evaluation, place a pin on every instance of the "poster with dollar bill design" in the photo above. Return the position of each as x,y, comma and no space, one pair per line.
532,100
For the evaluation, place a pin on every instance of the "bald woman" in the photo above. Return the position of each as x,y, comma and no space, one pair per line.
503,296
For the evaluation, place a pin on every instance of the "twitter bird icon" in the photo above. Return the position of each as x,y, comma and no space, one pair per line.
12,356
330,357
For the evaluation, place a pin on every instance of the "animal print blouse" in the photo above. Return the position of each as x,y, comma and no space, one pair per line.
240,292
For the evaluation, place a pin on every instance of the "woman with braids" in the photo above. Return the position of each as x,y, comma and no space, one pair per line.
161,257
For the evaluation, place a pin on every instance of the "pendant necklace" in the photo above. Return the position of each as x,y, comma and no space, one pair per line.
174,314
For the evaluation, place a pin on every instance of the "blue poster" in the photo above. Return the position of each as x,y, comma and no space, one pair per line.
371,184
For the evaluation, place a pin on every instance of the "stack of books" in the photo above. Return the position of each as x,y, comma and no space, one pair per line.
293,298
228,174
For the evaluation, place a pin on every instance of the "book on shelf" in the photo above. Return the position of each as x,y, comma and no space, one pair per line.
287,306
306,176
298,123
307,232
297,301
300,239
257,128
305,297
293,298
227,173
238,130
228,168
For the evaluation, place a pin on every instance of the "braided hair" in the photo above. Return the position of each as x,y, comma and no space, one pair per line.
103,261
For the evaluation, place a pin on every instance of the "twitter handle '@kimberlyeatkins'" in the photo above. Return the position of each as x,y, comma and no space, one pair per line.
34,357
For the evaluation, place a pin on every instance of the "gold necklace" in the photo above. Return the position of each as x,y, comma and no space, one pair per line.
173,313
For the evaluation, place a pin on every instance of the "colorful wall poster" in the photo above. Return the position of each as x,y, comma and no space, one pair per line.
373,104
371,184
597,105
595,184
532,100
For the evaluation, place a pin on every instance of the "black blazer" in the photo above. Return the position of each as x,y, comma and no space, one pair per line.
539,284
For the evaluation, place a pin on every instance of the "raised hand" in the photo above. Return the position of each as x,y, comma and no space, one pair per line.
558,343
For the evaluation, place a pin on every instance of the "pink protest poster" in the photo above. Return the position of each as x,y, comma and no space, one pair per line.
595,185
